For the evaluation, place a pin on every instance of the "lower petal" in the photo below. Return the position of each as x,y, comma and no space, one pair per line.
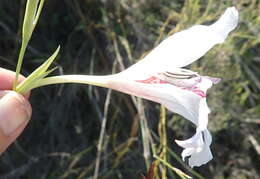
196,149
194,142
200,158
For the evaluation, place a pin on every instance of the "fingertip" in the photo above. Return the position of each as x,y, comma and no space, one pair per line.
14,111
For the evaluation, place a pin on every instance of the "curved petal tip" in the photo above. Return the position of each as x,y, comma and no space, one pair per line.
231,15
233,10
197,149
226,23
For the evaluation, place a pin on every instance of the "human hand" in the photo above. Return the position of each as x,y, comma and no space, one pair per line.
15,110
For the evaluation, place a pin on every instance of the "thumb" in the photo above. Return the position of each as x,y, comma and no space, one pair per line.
15,112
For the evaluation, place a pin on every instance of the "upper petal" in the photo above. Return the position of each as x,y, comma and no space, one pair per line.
185,47
226,23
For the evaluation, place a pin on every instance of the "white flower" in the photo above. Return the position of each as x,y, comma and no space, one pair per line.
159,77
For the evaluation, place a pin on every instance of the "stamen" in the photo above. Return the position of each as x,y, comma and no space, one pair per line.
183,74
181,78
185,79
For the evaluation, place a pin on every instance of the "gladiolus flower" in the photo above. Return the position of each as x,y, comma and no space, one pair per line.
159,77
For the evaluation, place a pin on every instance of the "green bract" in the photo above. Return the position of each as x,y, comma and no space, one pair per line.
34,78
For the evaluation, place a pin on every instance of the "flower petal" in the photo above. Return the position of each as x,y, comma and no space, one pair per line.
226,23
194,142
196,149
185,47
185,102
205,155
200,158
184,97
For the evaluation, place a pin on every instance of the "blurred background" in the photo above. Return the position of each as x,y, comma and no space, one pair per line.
104,37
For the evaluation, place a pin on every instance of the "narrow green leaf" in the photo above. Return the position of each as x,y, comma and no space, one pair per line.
37,74
29,16
38,13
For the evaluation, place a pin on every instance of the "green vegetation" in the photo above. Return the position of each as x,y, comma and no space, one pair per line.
78,131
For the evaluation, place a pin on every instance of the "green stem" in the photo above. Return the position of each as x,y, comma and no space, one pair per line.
101,81
19,63
176,170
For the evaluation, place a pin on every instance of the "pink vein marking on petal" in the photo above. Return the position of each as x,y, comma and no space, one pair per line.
199,92
152,80
155,80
